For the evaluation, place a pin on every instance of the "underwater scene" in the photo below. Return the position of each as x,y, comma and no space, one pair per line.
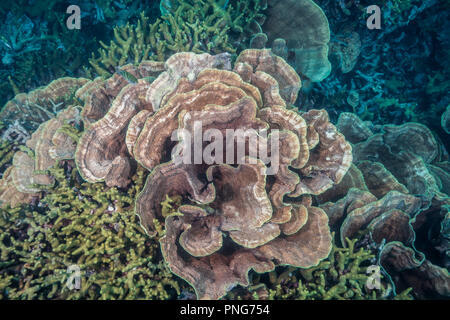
225,149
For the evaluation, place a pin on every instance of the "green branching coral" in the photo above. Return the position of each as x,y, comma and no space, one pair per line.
343,275
86,227
196,25
7,150
131,44
238,15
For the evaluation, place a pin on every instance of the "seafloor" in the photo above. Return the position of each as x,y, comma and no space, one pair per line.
348,99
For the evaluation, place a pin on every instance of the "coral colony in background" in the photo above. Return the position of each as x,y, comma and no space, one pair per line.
225,149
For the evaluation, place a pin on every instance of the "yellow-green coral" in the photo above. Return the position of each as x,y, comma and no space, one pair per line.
156,41
197,26
87,225
237,14
7,150
343,275
170,205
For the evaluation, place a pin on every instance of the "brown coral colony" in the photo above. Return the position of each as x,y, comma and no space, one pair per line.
237,211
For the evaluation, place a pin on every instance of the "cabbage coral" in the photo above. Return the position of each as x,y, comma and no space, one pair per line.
195,25
394,198
231,218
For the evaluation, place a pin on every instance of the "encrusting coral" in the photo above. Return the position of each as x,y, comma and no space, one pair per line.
427,279
111,103
346,47
231,219
98,94
392,224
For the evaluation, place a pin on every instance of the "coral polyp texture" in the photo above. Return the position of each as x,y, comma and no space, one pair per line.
235,214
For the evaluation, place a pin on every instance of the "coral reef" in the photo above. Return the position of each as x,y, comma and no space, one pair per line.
427,280
187,160
408,152
392,224
7,150
396,200
197,25
37,51
241,17
53,141
400,74
48,49
27,111
299,32
86,226
346,47
445,120
97,95
17,38
341,276
200,88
